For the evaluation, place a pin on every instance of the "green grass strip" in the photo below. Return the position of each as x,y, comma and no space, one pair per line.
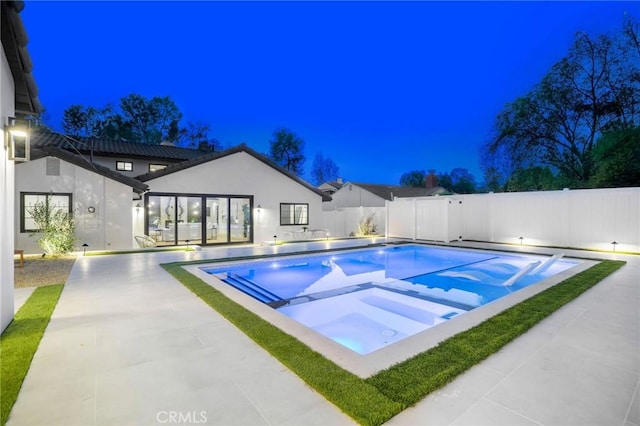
20,341
361,401
375,400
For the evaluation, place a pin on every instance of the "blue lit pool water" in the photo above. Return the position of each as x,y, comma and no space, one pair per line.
368,299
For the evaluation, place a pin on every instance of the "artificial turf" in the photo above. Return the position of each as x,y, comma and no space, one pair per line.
20,341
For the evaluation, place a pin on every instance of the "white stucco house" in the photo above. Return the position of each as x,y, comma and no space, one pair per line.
98,198
119,190
18,97
233,196
354,194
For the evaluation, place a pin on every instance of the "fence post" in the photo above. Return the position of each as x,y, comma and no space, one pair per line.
386,219
415,219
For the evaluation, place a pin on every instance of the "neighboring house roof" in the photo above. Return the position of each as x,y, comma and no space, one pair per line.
80,161
389,192
216,155
14,41
330,187
107,147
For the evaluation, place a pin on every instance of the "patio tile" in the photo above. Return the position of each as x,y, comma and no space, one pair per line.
222,335
566,385
65,404
514,354
450,402
20,295
634,409
319,416
268,390
613,344
487,413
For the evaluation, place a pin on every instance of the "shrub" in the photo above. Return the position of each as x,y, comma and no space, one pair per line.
367,225
56,227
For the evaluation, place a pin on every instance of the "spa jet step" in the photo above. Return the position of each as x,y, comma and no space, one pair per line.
252,289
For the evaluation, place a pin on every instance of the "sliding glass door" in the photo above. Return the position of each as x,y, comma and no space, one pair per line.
199,219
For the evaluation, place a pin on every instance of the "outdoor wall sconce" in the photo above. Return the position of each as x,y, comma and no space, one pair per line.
138,208
18,139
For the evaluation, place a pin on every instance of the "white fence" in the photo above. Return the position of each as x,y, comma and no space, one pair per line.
589,219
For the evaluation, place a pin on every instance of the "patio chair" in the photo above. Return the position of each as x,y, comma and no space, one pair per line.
144,241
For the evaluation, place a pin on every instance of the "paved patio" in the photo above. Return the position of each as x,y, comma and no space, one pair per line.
129,345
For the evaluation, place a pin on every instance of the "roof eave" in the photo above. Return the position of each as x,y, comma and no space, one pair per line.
14,40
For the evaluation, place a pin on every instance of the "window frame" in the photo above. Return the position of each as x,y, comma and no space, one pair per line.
124,166
40,194
295,222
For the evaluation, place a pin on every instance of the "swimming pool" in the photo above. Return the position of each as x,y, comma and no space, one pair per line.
367,299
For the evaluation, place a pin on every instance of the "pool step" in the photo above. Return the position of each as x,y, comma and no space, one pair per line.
252,289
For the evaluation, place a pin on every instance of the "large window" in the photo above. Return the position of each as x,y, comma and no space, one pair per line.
124,166
156,167
294,214
58,201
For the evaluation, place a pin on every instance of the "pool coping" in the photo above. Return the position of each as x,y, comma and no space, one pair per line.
367,365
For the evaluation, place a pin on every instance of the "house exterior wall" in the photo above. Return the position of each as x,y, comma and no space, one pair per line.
243,174
108,227
7,106
351,195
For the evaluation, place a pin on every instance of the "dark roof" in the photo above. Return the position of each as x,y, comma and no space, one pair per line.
14,41
216,155
44,151
108,147
334,184
388,192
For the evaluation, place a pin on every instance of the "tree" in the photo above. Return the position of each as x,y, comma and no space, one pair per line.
459,180
88,121
445,181
323,170
532,179
462,181
138,119
149,120
414,178
287,150
194,135
590,91
617,158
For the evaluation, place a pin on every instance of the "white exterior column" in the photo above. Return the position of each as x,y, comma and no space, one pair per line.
7,107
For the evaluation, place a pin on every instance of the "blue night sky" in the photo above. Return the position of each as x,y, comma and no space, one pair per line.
381,88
